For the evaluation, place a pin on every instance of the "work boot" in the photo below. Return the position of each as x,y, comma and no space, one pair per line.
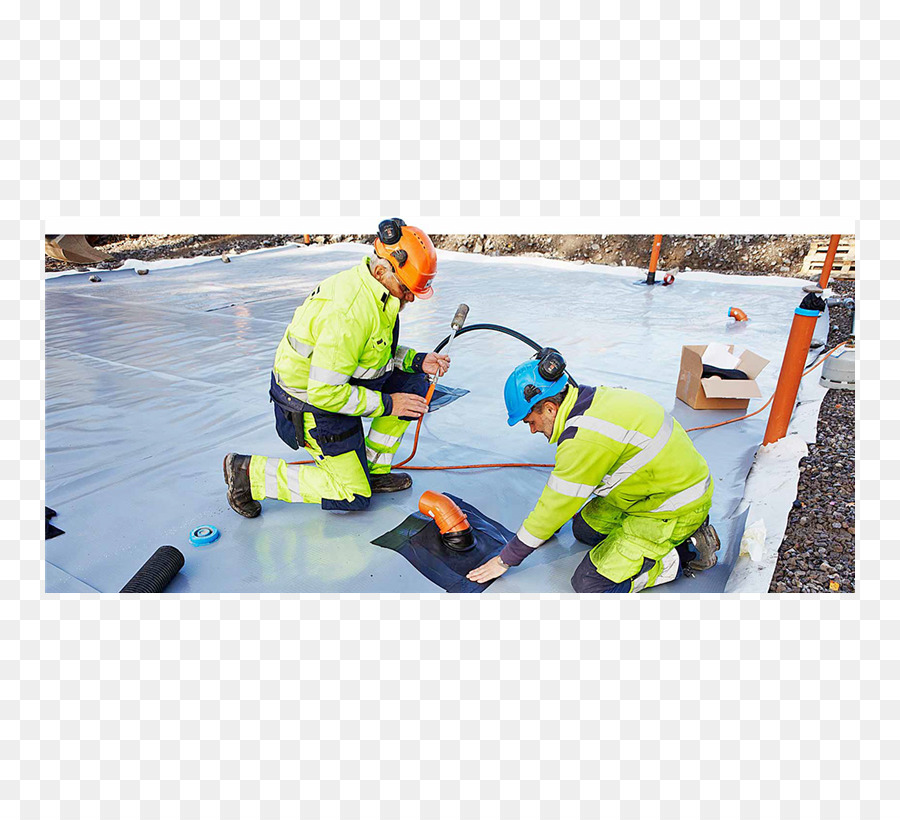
237,477
390,482
704,543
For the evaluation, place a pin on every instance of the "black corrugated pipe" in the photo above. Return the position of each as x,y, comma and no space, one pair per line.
159,569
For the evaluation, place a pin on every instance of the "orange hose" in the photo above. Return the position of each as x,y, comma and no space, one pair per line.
428,396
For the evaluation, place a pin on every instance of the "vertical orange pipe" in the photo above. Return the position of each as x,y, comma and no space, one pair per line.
829,260
791,372
795,353
654,258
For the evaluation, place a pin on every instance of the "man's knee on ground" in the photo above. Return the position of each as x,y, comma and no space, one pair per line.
359,503
579,582
584,532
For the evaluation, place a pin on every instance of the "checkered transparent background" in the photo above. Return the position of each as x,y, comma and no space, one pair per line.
563,116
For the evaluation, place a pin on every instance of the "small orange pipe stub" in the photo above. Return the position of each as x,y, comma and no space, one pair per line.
447,515
654,255
737,314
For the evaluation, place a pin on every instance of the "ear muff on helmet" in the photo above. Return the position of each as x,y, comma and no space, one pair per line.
527,385
551,365
389,231
410,253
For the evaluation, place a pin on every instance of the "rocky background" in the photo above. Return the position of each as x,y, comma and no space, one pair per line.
818,552
753,254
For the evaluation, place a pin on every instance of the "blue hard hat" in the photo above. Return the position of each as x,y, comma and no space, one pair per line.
525,387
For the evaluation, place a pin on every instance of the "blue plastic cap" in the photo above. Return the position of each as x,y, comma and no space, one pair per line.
203,535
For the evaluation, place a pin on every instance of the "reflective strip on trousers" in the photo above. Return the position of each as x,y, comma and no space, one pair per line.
292,476
374,457
610,430
692,493
271,478
383,439
570,488
639,460
325,376
528,539
668,572
302,348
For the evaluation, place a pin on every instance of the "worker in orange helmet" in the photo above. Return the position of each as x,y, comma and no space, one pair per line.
340,360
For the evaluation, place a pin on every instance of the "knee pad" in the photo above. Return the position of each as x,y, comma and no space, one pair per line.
358,504
578,582
585,533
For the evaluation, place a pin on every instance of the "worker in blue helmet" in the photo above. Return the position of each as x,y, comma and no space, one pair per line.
637,490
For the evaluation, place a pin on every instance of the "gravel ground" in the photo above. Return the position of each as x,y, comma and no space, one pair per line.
819,547
818,552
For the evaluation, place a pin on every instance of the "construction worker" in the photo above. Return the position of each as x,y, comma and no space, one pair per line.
650,489
340,360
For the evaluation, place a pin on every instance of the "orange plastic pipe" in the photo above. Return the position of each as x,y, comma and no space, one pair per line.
447,515
738,314
654,258
785,398
829,260
795,354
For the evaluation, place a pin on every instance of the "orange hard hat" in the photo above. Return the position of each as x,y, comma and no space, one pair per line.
411,254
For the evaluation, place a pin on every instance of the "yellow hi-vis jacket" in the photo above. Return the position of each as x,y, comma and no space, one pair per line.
622,446
345,330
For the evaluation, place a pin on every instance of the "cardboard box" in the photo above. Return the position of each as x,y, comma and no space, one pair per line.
715,393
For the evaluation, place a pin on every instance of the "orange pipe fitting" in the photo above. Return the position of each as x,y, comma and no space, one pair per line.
447,515
737,314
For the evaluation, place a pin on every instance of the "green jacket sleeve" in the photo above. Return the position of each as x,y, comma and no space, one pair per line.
580,467
339,344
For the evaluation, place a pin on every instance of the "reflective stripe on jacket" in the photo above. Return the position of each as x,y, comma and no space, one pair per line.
343,334
621,445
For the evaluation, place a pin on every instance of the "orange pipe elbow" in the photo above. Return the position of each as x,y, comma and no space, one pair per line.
447,515
738,314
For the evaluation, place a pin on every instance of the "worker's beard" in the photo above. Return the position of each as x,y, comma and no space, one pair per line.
399,284
402,306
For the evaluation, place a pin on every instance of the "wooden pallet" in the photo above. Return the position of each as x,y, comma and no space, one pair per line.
844,260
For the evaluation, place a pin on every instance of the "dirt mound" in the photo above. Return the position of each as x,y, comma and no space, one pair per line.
753,254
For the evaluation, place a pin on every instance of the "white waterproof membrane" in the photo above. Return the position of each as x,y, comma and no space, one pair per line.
151,380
